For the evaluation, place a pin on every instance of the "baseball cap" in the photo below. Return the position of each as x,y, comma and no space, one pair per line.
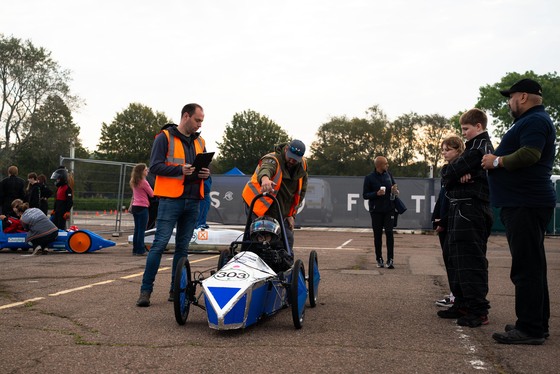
296,149
524,85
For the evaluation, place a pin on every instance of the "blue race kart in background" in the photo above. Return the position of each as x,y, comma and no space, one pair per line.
79,241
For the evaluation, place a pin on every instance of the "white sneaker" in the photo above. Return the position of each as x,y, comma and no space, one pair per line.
36,250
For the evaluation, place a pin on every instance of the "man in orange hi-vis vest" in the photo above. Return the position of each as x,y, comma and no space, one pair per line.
283,173
179,192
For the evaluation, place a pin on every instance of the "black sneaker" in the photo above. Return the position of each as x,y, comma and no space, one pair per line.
512,327
472,320
451,313
390,264
380,263
144,299
516,337
170,298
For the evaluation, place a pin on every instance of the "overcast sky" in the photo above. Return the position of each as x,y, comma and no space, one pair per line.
298,62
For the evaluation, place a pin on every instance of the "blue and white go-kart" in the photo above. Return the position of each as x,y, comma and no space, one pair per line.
79,241
244,289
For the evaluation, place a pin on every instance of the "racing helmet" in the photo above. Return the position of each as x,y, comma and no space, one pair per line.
265,225
60,175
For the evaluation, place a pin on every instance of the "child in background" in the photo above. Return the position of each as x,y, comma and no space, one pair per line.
451,148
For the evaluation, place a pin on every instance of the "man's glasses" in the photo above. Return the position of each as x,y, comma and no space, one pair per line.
296,151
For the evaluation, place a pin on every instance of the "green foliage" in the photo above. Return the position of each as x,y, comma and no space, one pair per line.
250,136
348,146
131,134
51,134
28,75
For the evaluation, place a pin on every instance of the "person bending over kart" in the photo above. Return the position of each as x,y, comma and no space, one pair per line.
40,230
266,243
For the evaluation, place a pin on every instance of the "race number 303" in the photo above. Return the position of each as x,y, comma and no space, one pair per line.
228,275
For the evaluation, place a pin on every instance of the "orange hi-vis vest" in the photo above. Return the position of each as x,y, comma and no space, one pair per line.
253,187
172,186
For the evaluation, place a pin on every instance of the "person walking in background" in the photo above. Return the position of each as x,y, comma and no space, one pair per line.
380,190
179,190
33,191
64,197
40,230
46,193
204,205
12,187
284,174
141,193
519,176
451,148
469,224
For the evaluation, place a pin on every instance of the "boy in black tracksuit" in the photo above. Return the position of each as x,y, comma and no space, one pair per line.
469,224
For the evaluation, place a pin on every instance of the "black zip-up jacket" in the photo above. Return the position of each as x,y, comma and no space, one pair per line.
469,163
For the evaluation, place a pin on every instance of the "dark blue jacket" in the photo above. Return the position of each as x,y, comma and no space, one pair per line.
372,184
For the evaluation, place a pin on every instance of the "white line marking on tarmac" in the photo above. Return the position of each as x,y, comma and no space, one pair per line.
476,362
64,292
7,306
81,288
344,244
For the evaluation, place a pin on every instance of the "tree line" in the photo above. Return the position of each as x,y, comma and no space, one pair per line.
37,126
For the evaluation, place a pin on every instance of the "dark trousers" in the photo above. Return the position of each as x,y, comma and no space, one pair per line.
469,226
444,251
525,230
44,241
380,222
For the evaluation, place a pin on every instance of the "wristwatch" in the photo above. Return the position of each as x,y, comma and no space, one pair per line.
496,163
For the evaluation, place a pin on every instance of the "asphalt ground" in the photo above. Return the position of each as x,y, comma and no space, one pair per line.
76,313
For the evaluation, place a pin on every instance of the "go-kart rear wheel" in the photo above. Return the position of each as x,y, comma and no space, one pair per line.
298,294
223,259
79,242
182,285
313,278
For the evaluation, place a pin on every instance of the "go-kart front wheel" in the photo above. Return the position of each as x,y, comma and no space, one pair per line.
79,242
298,294
313,278
182,289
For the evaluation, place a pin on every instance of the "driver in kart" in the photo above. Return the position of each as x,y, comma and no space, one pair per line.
266,243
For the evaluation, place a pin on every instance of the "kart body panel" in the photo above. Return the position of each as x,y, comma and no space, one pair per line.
202,240
242,292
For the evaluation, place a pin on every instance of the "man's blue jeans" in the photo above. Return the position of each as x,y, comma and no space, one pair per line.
171,212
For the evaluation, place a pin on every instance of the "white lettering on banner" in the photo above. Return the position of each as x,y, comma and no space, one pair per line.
214,199
418,199
352,200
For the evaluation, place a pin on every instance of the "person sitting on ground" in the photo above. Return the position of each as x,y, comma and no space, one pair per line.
267,243
40,230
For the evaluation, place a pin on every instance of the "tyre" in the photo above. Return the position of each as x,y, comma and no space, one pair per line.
182,289
313,278
298,294
79,242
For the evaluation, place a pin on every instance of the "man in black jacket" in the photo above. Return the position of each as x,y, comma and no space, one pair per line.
12,187
380,190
